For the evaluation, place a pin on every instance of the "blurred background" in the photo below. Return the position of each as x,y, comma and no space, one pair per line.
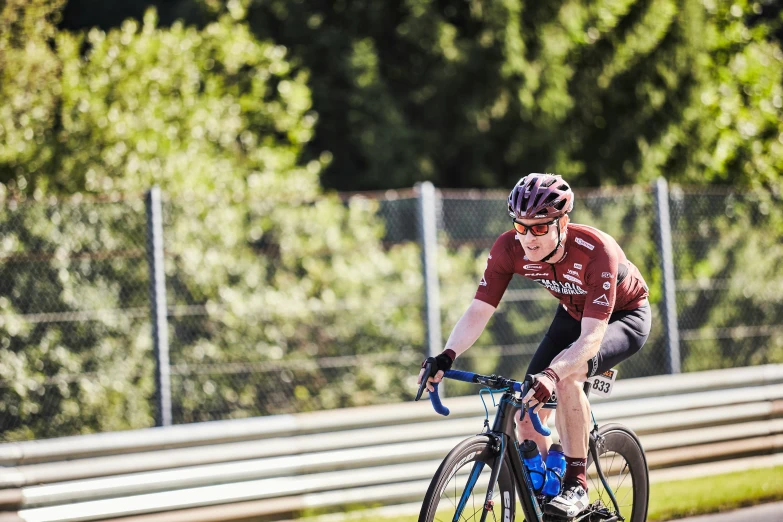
237,221
289,139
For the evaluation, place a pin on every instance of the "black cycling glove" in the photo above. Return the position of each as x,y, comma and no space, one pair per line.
442,362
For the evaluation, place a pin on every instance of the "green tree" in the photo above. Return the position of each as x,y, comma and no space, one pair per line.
281,271
472,94
29,70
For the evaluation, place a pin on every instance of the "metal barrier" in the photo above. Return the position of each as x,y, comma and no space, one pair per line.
280,466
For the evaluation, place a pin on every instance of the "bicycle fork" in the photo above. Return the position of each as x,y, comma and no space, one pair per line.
478,467
493,478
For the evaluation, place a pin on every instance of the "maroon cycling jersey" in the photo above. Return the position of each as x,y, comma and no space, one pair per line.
593,279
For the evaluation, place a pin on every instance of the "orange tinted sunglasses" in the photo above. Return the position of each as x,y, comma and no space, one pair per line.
537,230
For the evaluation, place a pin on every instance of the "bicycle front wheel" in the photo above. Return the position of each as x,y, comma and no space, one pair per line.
624,466
458,489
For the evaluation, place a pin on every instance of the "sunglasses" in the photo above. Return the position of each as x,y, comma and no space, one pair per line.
537,230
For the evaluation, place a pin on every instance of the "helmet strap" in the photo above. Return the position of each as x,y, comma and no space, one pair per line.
556,246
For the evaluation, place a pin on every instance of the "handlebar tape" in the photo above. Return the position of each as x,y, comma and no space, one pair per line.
458,375
536,422
435,400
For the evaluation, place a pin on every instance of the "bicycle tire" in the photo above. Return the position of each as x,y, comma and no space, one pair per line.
466,454
617,439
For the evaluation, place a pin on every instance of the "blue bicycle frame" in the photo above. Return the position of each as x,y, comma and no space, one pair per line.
502,438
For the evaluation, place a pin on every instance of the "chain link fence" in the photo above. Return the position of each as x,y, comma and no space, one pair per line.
74,318
280,307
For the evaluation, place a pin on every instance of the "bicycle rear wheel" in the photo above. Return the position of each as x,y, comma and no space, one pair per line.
458,489
624,466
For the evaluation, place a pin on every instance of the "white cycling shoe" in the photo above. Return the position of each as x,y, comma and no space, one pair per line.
569,503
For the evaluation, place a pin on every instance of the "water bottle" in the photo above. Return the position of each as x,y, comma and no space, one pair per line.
555,468
534,463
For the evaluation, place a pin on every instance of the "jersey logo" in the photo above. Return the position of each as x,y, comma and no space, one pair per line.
561,288
602,300
532,267
606,285
572,278
483,281
606,275
578,266
490,256
580,241
573,273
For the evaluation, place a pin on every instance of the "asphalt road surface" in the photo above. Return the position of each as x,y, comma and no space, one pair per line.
772,512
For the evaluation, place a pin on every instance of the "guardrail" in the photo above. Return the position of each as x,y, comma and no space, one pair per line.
282,466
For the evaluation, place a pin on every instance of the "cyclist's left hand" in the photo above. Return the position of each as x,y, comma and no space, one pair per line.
540,393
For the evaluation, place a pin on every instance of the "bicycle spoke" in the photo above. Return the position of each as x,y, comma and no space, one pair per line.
453,503
456,494
472,510
474,502
622,474
597,485
630,489
609,463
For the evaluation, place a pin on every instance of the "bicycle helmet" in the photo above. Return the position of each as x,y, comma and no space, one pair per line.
540,196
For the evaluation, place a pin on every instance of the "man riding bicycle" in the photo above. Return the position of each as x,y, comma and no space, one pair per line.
602,319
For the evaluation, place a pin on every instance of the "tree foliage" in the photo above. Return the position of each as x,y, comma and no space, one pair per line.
218,120
474,94
242,111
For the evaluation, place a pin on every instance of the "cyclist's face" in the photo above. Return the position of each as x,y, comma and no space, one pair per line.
536,247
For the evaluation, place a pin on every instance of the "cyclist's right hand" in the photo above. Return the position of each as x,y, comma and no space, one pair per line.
440,364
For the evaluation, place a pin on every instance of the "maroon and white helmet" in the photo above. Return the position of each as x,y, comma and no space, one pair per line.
540,196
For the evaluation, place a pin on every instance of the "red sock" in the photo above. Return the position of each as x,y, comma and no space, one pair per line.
576,471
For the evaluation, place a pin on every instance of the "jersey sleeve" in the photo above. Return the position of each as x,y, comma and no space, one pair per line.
499,271
601,282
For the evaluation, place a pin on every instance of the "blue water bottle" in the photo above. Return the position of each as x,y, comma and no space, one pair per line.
555,468
534,463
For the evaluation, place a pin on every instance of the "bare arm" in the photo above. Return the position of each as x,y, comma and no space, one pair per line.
574,359
465,332
470,326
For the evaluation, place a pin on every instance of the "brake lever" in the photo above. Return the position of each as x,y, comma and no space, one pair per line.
424,377
534,418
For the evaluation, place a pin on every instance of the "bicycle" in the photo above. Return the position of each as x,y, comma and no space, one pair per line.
492,458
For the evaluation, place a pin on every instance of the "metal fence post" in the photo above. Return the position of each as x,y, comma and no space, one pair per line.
429,255
669,304
159,309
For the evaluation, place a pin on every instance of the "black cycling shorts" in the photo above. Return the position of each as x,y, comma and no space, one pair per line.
626,334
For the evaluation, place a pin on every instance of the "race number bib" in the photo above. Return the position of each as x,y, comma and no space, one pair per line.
603,383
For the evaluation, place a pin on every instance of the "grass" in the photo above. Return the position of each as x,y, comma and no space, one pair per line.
681,498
